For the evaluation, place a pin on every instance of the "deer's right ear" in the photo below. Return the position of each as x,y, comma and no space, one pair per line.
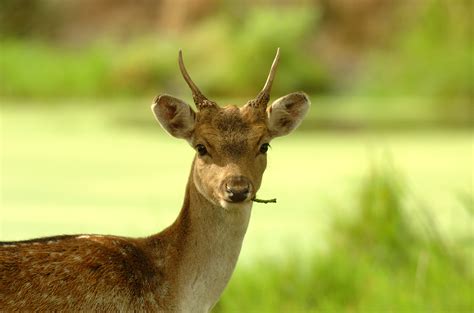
174,115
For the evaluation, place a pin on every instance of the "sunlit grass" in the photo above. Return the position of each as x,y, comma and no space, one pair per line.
83,169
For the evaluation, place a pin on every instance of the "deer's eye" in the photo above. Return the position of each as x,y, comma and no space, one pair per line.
264,148
201,149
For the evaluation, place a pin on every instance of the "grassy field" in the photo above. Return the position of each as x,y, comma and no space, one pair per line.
377,262
366,221
79,170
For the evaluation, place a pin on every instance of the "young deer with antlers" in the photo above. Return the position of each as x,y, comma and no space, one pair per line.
185,267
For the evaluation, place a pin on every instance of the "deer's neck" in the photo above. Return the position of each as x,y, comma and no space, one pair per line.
204,243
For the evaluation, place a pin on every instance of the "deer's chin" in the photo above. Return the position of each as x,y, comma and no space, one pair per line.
230,206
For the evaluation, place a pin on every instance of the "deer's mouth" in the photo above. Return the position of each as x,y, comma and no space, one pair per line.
236,200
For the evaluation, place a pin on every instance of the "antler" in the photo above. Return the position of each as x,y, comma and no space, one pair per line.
263,97
199,99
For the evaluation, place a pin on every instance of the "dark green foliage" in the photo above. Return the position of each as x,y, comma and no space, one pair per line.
380,228
431,58
226,56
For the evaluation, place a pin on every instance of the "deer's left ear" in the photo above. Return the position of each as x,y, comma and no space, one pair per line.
286,113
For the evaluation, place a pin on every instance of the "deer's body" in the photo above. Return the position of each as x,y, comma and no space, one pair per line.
185,267
181,269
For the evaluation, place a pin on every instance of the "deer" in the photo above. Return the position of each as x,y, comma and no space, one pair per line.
186,266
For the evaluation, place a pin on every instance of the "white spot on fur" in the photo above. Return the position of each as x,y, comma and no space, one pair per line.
159,262
77,258
50,242
9,246
83,237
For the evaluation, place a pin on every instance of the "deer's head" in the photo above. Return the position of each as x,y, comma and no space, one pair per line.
231,143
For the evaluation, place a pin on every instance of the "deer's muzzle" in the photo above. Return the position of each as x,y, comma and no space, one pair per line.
236,189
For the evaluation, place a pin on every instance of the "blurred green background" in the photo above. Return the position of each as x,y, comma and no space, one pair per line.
375,200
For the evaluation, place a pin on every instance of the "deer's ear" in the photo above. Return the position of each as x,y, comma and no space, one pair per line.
174,115
286,113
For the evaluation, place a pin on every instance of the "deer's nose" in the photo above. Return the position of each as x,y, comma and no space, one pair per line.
237,188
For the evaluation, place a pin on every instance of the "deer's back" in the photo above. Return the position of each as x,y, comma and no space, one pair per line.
83,272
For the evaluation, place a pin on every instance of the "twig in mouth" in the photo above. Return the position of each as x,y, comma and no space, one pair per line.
274,200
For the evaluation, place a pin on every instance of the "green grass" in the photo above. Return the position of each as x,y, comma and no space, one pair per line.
83,167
